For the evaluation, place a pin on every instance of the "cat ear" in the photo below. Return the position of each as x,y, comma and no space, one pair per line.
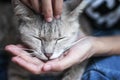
21,10
73,8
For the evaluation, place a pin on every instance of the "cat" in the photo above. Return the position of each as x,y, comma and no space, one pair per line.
47,40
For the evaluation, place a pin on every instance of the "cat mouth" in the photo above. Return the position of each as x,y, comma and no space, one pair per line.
41,56
45,59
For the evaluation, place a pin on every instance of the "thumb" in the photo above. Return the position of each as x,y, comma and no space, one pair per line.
76,54
61,64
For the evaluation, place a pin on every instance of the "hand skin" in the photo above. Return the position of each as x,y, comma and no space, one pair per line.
48,8
86,48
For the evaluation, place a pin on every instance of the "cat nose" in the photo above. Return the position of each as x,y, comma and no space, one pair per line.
48,55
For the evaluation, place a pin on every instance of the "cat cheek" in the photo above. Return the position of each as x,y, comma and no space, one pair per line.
57,53
59,41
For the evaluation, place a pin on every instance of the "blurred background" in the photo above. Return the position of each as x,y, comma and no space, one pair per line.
5,0
104,16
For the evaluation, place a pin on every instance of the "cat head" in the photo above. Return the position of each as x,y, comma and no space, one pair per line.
49,40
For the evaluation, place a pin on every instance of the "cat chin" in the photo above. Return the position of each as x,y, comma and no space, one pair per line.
40,56
54,57
57,55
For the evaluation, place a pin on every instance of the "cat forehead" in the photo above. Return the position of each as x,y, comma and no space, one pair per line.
50,30
57,28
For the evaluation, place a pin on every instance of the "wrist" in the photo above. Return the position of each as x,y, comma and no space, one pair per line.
94,45
100,47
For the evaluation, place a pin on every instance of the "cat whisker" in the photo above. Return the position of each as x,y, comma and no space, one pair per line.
29,50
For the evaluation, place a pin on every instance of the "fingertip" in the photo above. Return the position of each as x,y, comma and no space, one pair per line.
57,16
14,59
9,47
57,13
48,16
47,67
47,10
49,19
58,7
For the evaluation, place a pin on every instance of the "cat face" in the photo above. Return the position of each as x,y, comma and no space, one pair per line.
48,40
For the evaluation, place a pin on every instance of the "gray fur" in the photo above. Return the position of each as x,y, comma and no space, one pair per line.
46,38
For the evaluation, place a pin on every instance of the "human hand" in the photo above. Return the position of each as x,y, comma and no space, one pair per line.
46,7
83,50
23,59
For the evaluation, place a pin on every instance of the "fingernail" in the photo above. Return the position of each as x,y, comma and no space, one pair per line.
47,68
49,19
57,17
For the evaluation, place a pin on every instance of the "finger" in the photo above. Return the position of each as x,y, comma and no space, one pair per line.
57,8
27,2
47,10
47,66
70,59
63,64
36,5
76,54
20,46
23,54
30,67
15,50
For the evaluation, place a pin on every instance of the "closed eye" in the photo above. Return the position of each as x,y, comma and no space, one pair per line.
61,38
37,37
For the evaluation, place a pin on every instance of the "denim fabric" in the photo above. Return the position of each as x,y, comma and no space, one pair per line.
4,59
104,68
45,77
99,68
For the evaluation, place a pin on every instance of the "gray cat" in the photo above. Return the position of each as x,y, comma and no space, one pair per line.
47,40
